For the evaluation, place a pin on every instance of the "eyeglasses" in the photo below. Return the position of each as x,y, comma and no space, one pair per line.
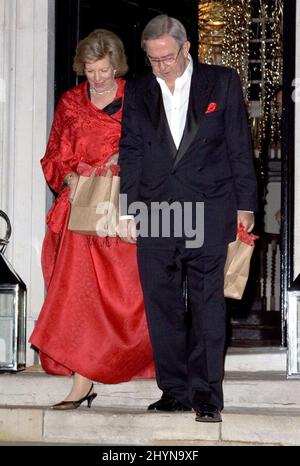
163,61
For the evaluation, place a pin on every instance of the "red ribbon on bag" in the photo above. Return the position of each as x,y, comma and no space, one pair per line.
85,169
246,237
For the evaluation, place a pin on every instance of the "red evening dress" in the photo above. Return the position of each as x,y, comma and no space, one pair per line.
93,319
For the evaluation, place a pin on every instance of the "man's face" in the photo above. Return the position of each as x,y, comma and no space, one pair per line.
167,59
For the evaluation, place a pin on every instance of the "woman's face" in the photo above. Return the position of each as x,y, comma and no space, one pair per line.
100,74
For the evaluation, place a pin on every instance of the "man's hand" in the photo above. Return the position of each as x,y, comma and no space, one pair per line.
246,219
127,230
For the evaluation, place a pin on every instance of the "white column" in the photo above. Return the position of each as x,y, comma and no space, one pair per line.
25,29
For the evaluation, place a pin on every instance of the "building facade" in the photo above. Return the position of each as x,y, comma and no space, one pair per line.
27,48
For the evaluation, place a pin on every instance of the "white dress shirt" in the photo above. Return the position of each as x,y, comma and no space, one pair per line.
176,104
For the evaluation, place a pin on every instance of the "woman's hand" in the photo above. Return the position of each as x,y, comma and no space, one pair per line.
71,181
113,160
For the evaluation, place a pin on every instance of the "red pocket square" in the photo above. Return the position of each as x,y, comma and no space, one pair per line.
212,107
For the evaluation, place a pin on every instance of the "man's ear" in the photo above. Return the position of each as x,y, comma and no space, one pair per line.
186,48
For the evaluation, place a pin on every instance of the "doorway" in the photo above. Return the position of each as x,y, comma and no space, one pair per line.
75,19
256,37
259,319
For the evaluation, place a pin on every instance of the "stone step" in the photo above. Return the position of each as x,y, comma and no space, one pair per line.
256,359
128,426
242,389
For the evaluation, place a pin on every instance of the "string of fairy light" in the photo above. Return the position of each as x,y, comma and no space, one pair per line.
225,37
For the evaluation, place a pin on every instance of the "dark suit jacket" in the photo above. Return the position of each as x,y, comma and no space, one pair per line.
214,162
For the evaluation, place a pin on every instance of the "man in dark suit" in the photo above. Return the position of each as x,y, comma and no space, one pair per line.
185,143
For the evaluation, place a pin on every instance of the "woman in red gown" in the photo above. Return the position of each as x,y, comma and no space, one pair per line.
92,323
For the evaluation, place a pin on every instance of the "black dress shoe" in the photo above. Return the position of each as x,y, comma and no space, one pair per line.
208,413
168,403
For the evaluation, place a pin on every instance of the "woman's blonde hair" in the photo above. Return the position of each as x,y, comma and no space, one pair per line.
97,45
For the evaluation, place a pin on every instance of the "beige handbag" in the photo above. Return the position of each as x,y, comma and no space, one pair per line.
95,205
237,266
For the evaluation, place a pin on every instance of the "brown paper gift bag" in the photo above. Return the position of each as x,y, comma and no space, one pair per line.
95,206
237,264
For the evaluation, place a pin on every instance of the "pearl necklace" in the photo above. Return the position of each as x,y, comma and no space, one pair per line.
93,90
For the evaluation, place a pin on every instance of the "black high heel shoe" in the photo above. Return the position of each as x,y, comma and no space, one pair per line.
89,397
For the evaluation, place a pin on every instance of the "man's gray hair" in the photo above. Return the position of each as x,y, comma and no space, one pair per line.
161,25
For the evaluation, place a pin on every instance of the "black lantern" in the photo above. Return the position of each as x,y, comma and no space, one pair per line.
12,311
294,329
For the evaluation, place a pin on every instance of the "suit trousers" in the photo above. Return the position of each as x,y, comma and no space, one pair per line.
188,341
